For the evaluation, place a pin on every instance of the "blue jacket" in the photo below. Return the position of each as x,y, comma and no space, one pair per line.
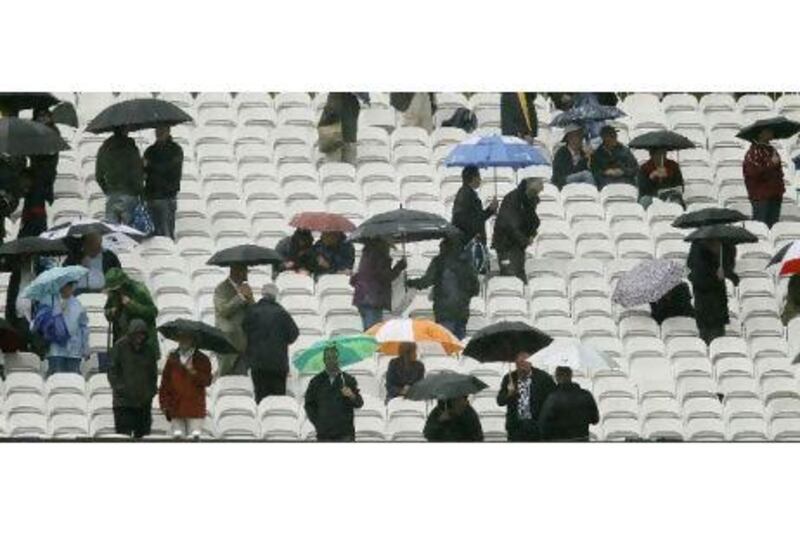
77,321
340,258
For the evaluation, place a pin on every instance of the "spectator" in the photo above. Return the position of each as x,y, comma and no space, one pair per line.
454,282
417,109
182,395
9,190
333,254
792,307
119,172
269,330
516,226
677,302
133,375
568,411
232,298
469,215
763,177
128,300
64,355
707,276
331,398
453,421
372,283
661,178
613,162
297,252
571,161
92,256
34,211
343,108
163,167
404,370
523,392
518,115
19,310
45,167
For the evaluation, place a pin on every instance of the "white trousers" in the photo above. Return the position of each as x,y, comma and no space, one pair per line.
184,427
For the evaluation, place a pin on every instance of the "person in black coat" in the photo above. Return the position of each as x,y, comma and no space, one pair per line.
297,252
453,421
469,215
516,226
404,370
45,167
331,398
163,167
518,115
677,302
522,417
269,329
708,284
568,411
343,108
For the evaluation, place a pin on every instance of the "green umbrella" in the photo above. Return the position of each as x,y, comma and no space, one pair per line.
352,349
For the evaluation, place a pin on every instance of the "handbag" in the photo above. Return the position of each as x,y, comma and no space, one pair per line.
142,220
52,328
330,137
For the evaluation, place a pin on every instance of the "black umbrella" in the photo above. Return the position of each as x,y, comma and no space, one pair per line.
727,234
504,340
245,254
64,113
587,113
16,101
138,114
664,140
445,386
782,127
26,137
708,217
205,337
404,225
33,245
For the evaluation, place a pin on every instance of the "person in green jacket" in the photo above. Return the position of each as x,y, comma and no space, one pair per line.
119,172
129,300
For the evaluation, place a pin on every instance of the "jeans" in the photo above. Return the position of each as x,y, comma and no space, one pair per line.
119,208
162,211
63,365
370,315
584,176
135,421
457,327
767,211
266,383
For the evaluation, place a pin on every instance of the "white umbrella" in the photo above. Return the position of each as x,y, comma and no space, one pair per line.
573,354
84,226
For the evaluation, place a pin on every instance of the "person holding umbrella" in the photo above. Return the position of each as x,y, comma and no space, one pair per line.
372,282
333,254
660,177
613,162
523,393
516,227
469,215
128,300
453,420
404,370
34,210
9,191
344,108
119,172
710,261
232,299
163,167
791,308
571,160
763,177
44,167
89,253
677,302
569,411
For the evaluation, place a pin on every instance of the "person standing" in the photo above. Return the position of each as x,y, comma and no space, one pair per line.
331,399
453,420
661,178
269,330
163,167
518,115
710,262
343,108
404,370
791,308
71,344
523,393
9,190
568,411
99,261
677,302
417,109
469,215
333,254
613,162
516,227
34,210
128,300
571,160
372,283
232,298
763,178
119,172
45,167
133,375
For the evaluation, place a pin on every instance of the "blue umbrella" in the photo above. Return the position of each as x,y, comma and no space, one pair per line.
49,283
586,114
495,151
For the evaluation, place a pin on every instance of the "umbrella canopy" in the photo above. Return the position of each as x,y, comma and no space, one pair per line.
33,246
84,226
245,254
782,127
205,337
573,354
445,386
504,340
352,349
19,136
708,217
495,151
727,234
647,282
404,225
788,257
17,101
586,113
426,333
664,140
49,283
138,114
64,113
317,221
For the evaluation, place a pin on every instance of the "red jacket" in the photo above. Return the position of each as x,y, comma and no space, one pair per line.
763,178
183,395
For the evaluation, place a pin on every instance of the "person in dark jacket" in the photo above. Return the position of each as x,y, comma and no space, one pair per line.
571,161
763,177
523,392
9,190
119,172
133,376
372,282
707,276
163,167
613,162
453,421
344,108
791,308
677,302
331,398
333,254
34,205
469,215
404,370
660,177
297,252
45,167
128,300
269,329
568,411
90,254
454,282
518,115
516,227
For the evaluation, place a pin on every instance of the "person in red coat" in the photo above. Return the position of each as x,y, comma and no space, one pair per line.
182,394
763,176
660,178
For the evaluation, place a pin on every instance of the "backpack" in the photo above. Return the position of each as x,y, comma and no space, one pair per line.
463,119
52,328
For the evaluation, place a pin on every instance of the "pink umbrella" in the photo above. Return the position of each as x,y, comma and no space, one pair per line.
317,221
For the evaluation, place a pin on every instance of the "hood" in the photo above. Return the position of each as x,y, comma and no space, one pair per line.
137,325
116,278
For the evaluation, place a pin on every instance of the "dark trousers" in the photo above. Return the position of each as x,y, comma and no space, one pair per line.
266,383
512,263
767,211
709,333
134,421
524,431
457,327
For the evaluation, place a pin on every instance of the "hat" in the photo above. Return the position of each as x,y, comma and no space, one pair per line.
115,279
570,128
137,325
607,129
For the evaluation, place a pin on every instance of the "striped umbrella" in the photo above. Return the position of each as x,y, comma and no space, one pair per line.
788,257
647,282
426,333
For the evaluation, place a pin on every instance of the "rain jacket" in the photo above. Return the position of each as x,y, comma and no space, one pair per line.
567,414
677,302
517,220
465,427
328,409
469,214
341,257
399,375
119,168
163,166
454,282
229,311
563,166
372,283
269,330
133,373
618,157
344,108
763,179
710,294
141,306
182,394
77,322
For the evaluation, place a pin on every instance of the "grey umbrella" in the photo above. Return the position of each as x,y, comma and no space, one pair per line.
726,234
708,217
245,254
664,140
404,225
445,386
138,114
19,137
205,337
782,127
